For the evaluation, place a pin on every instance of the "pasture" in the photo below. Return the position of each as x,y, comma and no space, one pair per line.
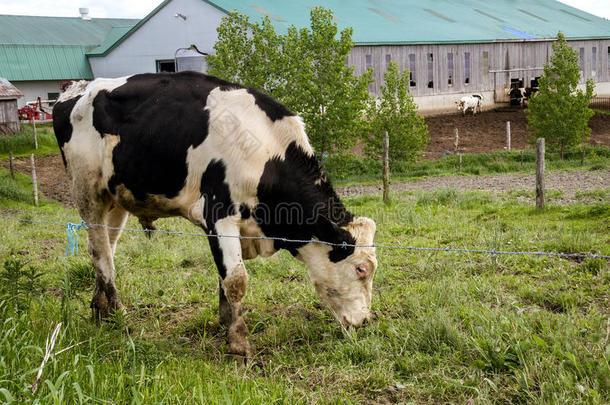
446,327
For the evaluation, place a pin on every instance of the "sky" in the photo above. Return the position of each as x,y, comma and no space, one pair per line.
139,8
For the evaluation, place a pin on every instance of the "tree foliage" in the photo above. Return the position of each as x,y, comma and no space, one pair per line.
304,69
395,112
560,112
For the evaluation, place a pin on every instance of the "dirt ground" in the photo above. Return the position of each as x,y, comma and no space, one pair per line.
484,132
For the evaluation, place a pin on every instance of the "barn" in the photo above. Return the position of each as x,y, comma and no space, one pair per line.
40,54
9,119
451,48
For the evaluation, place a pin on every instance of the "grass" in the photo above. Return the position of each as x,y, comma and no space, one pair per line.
22,143
447,328
346,169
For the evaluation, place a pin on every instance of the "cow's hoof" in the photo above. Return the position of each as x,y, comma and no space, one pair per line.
102,308
238,344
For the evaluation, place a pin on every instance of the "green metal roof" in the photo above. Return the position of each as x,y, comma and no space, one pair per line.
44,62
377,22
51,48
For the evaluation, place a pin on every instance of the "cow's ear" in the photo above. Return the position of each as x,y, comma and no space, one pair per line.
327,230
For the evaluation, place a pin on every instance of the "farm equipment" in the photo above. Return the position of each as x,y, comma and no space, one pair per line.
33,110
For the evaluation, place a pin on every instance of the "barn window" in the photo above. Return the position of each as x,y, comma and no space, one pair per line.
486,66
594,61
430,71
450,69
52,96
388,59
581,62
166,65
467,67
412,75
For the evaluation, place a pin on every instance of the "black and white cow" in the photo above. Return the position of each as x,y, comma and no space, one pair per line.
227,158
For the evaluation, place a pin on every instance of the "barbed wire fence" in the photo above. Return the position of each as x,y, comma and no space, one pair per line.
72,228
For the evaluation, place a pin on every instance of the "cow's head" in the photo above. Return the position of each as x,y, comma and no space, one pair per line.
460,105
344,285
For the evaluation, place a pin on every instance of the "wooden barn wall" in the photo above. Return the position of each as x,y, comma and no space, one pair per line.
501,56
9,119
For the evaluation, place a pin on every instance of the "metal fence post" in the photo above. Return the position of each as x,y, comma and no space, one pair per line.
386,168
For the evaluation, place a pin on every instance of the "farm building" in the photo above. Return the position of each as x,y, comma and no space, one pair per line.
451,48
9,119
39,54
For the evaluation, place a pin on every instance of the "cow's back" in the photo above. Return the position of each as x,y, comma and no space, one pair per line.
153,141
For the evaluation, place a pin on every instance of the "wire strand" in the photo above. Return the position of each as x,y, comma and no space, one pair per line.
344,244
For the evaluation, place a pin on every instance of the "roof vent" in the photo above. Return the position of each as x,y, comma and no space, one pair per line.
84,13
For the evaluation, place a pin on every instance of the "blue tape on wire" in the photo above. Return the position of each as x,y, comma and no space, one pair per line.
71,229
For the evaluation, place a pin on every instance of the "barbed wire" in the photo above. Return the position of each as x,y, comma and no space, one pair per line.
70,227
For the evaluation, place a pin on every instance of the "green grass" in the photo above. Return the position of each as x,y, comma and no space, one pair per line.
22,143
447,328
345,169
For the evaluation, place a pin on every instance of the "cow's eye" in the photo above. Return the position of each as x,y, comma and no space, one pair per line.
362,270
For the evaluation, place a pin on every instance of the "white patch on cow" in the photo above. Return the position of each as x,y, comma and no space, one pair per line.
230,246
73,90
338,284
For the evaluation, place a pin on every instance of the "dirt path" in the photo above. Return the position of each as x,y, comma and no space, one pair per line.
54,183
567,182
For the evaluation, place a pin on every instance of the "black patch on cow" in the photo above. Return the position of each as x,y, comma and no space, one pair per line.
61,123
291,204
158,117
217,196
244,210
274,110
217,205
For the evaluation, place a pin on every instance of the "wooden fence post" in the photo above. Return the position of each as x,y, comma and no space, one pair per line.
34,182
507,135
456,140
386,168
33,122
540,191
10,164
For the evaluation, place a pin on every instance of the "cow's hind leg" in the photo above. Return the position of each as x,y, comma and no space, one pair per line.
95,212
233,283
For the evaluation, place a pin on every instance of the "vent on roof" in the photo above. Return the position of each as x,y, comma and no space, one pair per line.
268,14
439,15
574,15
520,34
493,17
84,13
383,14
532,15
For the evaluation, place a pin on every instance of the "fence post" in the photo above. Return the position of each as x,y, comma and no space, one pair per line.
33,122
34,179
456,140
540,191
507,135
10,164
386,168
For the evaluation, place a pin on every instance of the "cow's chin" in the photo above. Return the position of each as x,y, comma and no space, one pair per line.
348,313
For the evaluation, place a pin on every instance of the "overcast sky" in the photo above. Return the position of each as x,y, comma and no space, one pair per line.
139,8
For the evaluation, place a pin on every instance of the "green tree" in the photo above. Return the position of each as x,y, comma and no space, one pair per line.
305,69
560,112
395,112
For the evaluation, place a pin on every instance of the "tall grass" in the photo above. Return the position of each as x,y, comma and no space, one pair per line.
22,143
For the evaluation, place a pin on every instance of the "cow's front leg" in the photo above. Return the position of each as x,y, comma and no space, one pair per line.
233,283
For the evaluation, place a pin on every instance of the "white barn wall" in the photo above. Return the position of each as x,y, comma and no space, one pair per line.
33,89
160,37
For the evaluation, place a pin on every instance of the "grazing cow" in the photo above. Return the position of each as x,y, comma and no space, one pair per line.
227,158
469,103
